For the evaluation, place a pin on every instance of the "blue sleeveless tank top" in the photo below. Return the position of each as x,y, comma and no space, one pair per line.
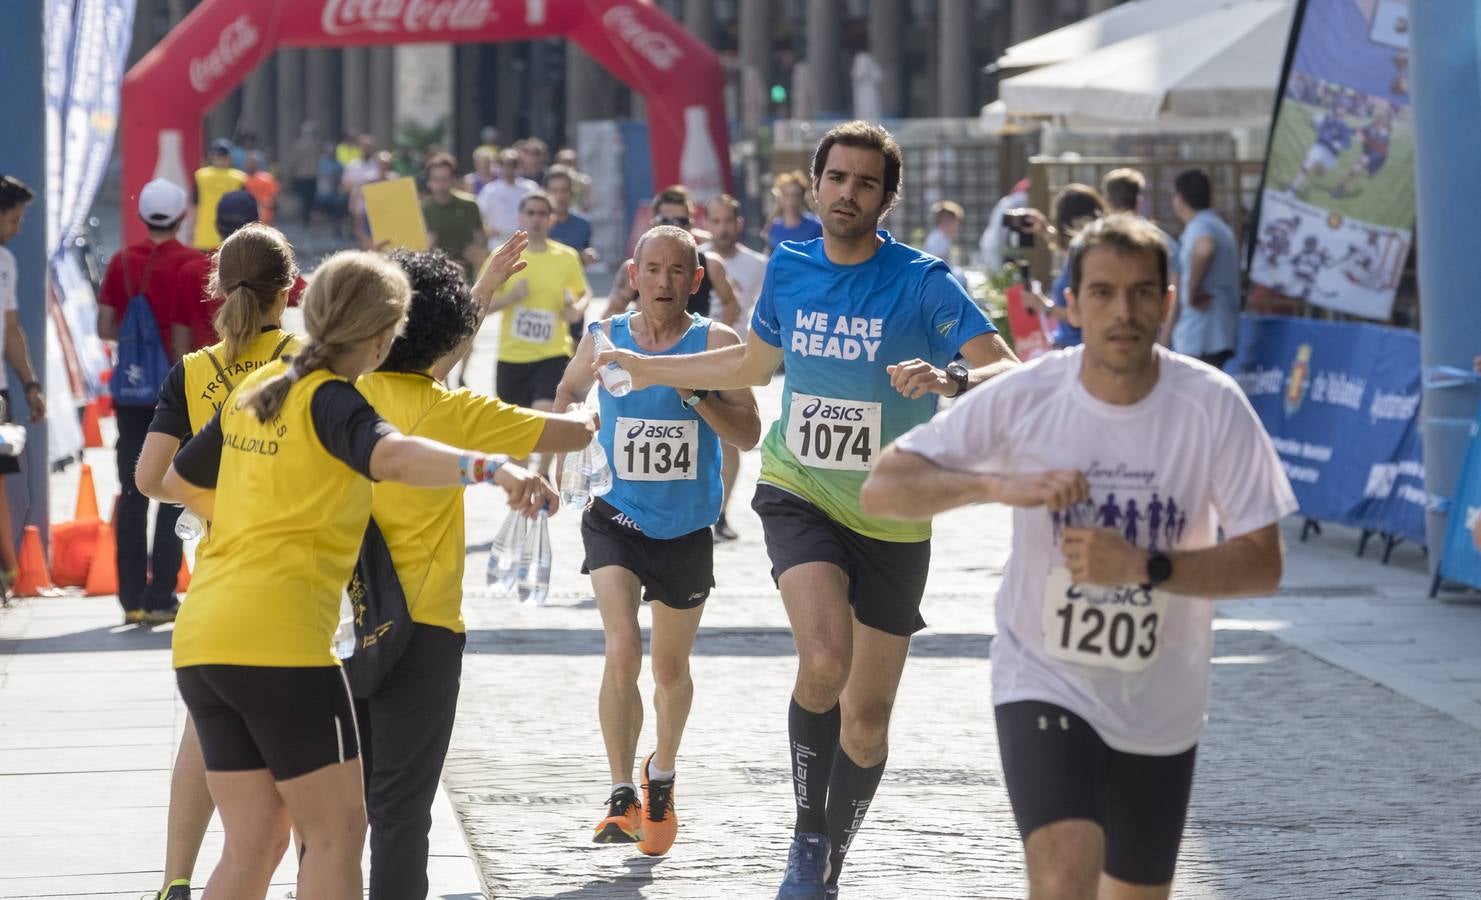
665,459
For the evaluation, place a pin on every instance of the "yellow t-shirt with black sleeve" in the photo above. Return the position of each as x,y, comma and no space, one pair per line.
201,381
211,184
292,501
423,527
534,329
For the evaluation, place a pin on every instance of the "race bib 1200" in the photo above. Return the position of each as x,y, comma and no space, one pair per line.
656,449
535,326
1108,627
826,433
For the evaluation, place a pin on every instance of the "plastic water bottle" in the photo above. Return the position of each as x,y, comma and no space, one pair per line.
344,635
576,478
617,380
534,581
601,473
513,572
189,526
501,553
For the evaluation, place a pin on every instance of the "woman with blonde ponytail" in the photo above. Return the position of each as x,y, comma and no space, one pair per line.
283,472
254,271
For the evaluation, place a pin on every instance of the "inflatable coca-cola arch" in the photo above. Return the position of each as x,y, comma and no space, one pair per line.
168,92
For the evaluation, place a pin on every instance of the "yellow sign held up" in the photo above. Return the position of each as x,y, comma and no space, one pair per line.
395,214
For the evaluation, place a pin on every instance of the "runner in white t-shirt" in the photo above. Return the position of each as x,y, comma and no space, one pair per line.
746,270
1124,461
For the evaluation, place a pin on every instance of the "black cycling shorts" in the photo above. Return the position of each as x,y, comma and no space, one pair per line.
1057,767
886,579
523,384
288,720
679,572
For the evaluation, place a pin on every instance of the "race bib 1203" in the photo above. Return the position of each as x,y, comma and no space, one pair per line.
827,433
1109,627
535,326
656,449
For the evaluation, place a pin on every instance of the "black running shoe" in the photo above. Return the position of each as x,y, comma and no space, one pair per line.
723,531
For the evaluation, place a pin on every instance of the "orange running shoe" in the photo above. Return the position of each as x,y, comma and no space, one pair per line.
624,821
661,822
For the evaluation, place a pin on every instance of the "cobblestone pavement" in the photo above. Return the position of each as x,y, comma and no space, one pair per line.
1312,781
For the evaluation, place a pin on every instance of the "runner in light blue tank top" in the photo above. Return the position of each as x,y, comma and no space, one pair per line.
665,457
648,538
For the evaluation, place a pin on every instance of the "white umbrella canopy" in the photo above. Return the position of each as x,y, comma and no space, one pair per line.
1122,21
1224,65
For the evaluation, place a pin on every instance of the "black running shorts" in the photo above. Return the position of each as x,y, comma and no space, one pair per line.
886,579
523,384
290,721
679,573
1057,767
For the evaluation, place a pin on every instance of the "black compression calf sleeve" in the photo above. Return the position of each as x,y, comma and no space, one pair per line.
850,791
814,738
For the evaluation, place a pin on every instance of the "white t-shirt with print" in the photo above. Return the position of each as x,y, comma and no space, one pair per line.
1168,472
746,271
7,303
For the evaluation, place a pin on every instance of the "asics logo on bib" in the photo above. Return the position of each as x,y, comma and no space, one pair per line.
1119,595
643,429
832,412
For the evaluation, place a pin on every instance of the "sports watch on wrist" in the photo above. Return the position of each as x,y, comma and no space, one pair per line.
1159,568
959,374
695,398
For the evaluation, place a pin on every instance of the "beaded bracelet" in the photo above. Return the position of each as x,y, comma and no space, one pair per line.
475,469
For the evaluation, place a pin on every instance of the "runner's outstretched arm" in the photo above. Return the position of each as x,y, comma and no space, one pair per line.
732,413
727,369
908,486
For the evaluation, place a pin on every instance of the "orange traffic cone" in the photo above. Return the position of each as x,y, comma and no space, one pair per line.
102,575
182,581
92,435
72,548
33,578
87,496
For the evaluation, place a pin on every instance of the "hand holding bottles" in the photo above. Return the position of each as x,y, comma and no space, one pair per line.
528,492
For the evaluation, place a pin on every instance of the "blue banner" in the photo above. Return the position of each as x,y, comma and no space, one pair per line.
1461,560
1341,403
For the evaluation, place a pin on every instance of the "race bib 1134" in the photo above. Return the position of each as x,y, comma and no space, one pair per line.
656,449
827,433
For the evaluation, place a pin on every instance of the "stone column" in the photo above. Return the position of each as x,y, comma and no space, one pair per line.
355,75
259,102
954,75
1097,6
699,18
755,60
824,21
508,92
467,104
383,95
884,45
290,105
1031,18
321,91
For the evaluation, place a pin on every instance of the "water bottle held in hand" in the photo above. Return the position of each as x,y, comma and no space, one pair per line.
344,635
502,550
617,380
575,478
601,473
534,585
514,573
189,526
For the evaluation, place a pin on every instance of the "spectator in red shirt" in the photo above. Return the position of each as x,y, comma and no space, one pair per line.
194,307
149,267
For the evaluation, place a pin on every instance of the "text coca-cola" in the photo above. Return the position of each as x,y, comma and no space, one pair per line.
343,17
236,39
655,46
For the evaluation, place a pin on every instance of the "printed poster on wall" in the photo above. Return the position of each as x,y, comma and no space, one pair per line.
1337,209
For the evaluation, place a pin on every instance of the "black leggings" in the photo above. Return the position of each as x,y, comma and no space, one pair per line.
146,579
405,728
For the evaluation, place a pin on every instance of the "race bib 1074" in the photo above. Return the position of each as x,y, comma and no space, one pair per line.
828,433
1108,627
656,449
535,326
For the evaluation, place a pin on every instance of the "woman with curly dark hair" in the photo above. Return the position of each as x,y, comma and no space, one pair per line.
406,722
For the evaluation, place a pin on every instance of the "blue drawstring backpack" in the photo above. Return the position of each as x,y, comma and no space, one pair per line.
141,366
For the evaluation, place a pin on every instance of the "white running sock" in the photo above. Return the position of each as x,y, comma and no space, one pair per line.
657,774
626,784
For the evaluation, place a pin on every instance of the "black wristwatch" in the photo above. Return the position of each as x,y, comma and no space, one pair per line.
1159,568
695,398
959,373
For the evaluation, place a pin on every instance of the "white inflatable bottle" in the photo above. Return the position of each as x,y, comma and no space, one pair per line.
699,164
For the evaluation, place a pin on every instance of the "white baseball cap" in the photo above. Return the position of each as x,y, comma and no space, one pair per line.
162,202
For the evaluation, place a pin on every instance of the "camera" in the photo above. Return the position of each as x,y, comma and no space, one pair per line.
1020,229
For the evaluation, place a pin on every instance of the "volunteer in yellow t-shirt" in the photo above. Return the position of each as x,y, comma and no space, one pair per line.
534,341
283,474
254,271
423,530
212,182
